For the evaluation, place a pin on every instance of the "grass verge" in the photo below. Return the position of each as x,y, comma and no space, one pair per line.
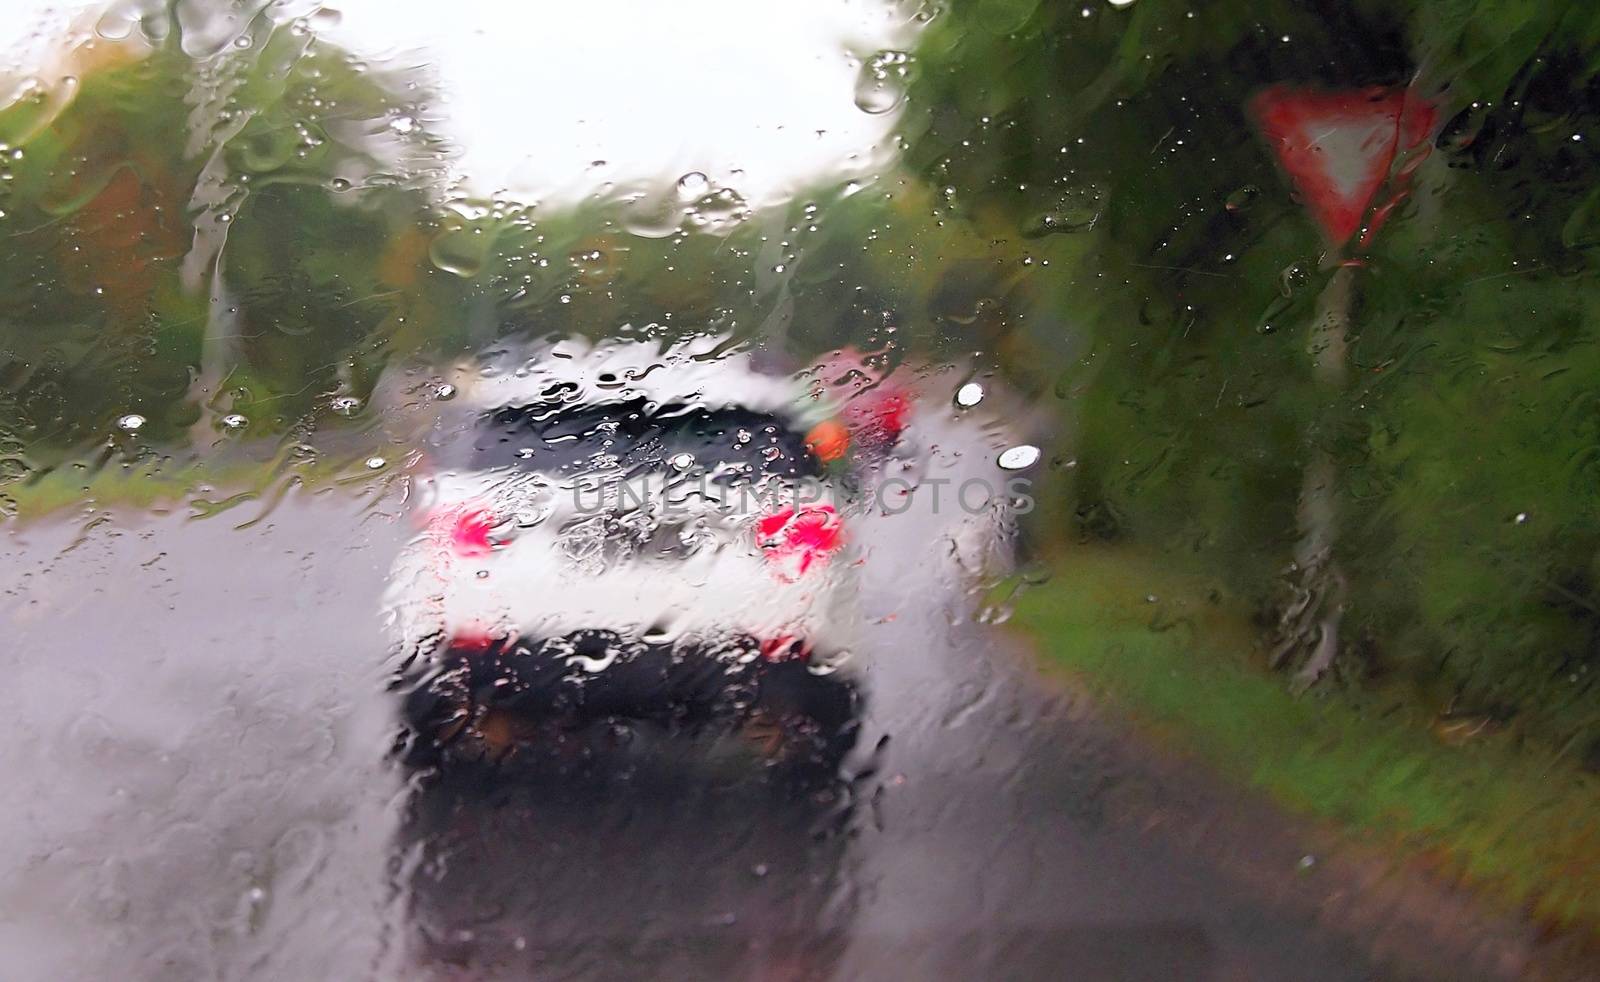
1521,825
205,487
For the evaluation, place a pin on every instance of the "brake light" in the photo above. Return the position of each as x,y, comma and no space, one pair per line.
785,647
795,539
879,416
877,403
464,530
472,640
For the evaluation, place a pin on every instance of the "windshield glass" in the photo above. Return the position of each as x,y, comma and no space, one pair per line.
799,489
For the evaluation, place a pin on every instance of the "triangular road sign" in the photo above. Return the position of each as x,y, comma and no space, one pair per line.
1339,147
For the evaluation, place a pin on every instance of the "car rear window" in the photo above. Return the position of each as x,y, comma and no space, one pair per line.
637,436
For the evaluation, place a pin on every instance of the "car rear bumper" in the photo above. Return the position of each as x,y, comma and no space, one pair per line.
509,692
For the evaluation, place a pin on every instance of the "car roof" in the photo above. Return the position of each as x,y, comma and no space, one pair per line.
700,371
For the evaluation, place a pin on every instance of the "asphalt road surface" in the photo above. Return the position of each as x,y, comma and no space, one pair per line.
195,742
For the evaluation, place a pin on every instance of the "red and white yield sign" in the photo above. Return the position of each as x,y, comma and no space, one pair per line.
1339,149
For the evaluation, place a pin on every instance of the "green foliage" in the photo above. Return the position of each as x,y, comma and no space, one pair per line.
94,218
1179,318
133,184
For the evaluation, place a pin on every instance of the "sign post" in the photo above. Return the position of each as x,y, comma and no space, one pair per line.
1350,156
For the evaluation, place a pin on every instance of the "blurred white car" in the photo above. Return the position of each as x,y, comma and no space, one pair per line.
627,533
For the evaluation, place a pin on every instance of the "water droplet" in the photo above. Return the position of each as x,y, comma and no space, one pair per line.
719,211
445,392
1019,457
693,184
652,216
458,251
881,84
683,461
118,23
345,405
1243,198
403,124
1076,210
130,422
375,463
235,421
969,395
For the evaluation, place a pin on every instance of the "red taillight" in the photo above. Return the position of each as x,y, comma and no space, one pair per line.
472,641
795,539
880,415
785,647
464,530
877,404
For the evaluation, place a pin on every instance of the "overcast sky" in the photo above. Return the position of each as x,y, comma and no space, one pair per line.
757,94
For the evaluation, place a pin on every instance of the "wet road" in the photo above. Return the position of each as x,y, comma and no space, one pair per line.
194,748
